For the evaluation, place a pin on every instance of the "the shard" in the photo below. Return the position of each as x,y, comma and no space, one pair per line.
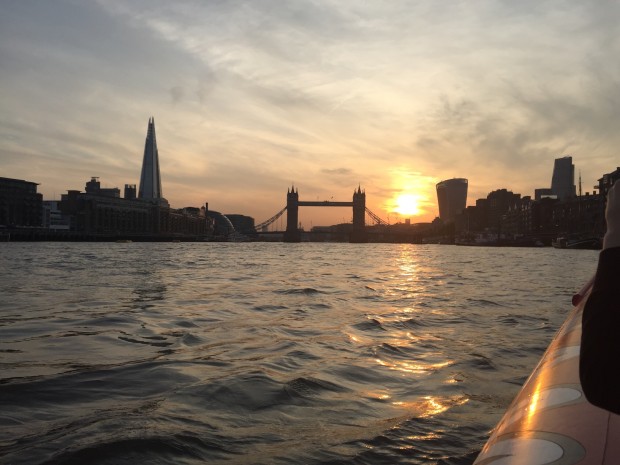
150,180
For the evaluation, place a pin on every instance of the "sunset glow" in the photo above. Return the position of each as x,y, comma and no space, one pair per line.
407,205
413,195
250,98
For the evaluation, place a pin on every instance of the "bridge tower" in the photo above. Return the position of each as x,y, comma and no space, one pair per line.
358,233
359,208
292,233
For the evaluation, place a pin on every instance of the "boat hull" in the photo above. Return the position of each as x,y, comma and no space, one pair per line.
591,243
550,421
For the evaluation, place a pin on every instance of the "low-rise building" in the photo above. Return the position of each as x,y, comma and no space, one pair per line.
102,212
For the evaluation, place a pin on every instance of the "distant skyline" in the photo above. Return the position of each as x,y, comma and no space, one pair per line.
250,97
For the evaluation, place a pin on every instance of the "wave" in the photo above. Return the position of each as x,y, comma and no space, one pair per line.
310,387
303,291
322,355
370,324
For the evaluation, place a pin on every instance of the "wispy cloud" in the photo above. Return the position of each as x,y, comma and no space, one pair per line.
250,96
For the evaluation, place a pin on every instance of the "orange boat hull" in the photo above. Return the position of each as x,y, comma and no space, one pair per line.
550,422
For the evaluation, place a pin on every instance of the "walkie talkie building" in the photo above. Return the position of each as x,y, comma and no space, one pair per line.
452,198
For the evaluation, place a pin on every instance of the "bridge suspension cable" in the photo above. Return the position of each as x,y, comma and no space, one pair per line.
274,218
271,220
375,218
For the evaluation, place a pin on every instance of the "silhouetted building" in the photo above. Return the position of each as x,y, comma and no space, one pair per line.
20,204
150,179
96,213
451,198
580,217
102,211
544,193
94,187
545,218
563,179
488,214
530,218
498,203
608,180
242,223
470,220
93,213
53,217
517,221
130,192
543,225
219,225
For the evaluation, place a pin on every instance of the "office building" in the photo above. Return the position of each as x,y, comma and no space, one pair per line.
94,187
544,193
608,180
20,205
102,212
242,223
130,192
563,179
452,198
150,179
53,218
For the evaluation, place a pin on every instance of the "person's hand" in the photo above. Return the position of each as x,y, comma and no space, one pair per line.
612,215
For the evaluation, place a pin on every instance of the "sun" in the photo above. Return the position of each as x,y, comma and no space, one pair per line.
407,204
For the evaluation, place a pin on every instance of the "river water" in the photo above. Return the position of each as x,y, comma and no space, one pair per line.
269,353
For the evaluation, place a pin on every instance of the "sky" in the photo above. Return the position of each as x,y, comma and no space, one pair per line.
252,97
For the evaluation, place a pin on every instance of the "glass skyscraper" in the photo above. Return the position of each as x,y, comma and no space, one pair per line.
150,179
563,179
452,198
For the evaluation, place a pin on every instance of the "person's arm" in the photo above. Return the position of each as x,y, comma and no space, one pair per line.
599,365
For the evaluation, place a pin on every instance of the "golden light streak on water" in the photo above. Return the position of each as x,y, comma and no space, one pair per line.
297,353
424,437
379,395
430,406
413,367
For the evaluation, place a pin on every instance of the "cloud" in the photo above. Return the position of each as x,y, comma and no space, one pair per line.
251,96
177,93
337,171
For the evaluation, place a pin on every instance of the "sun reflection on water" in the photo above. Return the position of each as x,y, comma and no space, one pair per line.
429,406
378,395
413,367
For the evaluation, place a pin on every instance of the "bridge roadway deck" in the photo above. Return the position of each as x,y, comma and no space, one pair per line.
324,203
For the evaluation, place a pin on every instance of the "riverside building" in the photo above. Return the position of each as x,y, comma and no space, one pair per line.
451,198
20,204
102,212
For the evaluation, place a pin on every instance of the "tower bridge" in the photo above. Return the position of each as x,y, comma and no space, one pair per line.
293,233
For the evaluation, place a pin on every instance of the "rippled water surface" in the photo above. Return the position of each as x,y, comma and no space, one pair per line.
269,353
